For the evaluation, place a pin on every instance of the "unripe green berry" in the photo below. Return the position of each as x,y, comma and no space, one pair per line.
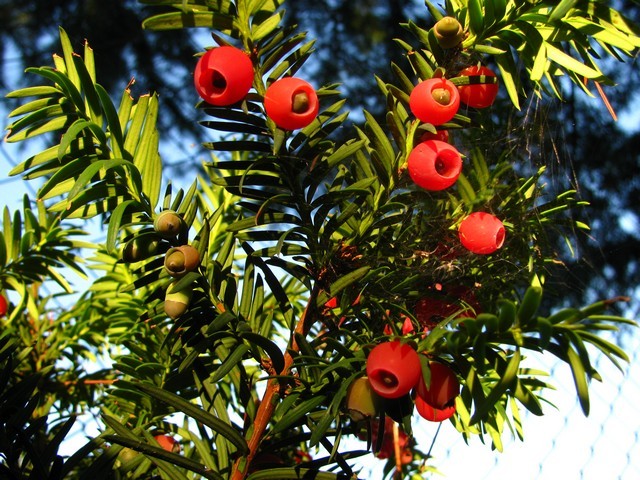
448,32
177,302
140,248
168,224
180,260
361,401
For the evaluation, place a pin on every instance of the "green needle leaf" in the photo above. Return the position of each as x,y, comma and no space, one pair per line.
195,412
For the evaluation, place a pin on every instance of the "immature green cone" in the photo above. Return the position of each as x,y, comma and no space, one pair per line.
361,401
168,224
448,32
139,248
176,303
180,260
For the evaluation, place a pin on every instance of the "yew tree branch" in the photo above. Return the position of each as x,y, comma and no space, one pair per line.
274,387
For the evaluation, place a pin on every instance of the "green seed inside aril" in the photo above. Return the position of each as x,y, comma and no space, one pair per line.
441,95
300,103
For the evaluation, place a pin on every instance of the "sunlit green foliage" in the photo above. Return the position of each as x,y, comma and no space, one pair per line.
283,222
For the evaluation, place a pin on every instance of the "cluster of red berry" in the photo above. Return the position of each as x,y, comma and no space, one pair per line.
394,369
224,75
435,165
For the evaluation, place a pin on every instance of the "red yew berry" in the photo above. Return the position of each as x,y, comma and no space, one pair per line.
481,233
3,306
442,135
291,103
433,414
434,101
443,386
393,369
168,443
223,75
455,302
477,94
434,165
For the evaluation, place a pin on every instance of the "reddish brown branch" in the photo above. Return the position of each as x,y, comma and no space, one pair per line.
396,451
270,398
90,382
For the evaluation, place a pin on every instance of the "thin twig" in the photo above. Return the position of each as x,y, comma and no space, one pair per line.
396,451
270,398
606,102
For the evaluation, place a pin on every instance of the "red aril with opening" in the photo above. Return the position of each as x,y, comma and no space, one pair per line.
434,101
434,165
223,75
291,103
481,233
393,369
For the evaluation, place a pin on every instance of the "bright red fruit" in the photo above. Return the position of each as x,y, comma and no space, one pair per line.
434,165
476,94
481,233
3,306
168,443
433,414
434,101
393,369
442,135
291,103
443,386
223,75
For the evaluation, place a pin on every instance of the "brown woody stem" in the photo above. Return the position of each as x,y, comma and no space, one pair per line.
270,397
